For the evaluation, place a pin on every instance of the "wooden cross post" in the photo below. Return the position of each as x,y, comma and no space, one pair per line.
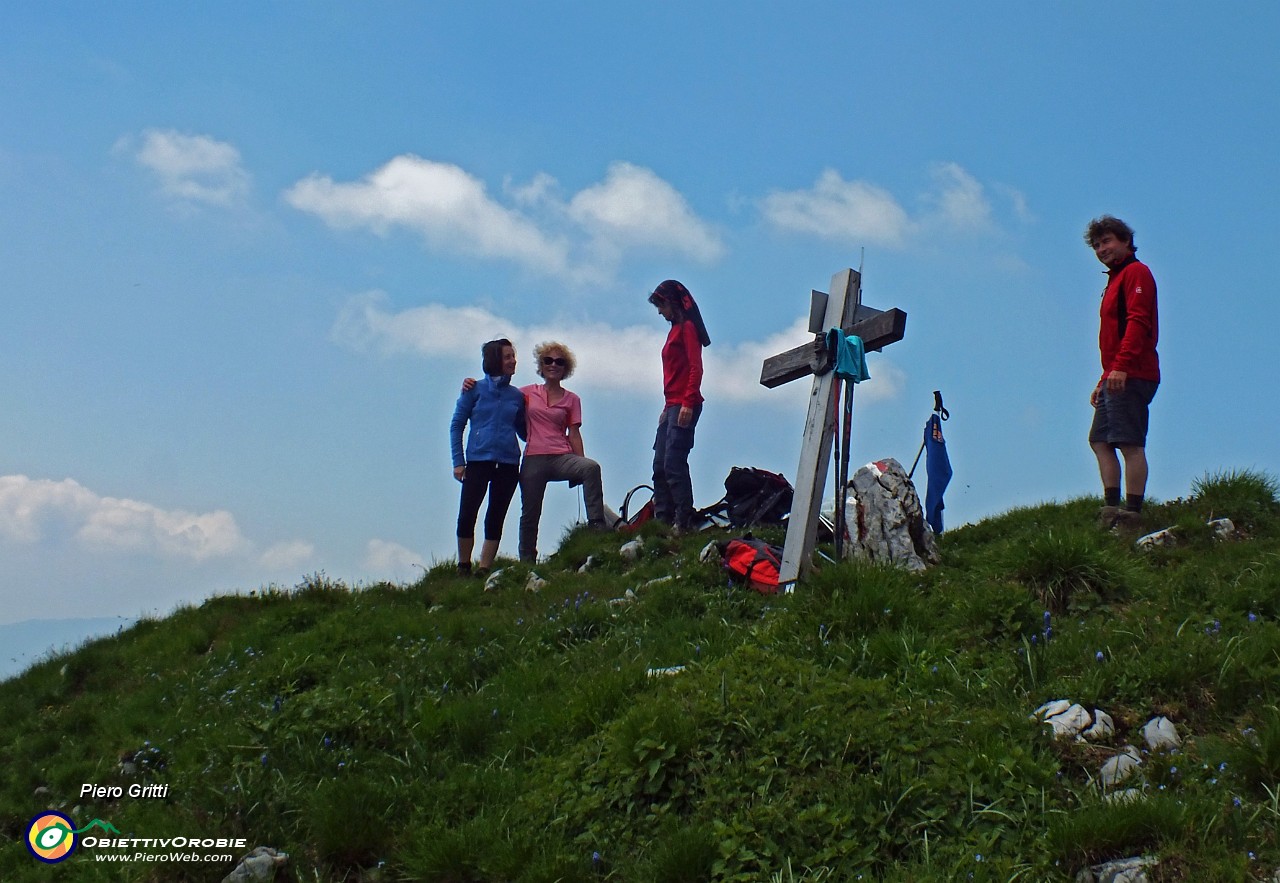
842,309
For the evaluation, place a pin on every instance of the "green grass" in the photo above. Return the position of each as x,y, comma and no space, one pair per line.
874,725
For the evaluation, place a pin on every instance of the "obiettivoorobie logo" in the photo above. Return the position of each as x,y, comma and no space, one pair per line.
51,836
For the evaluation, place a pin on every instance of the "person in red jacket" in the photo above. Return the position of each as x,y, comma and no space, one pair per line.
1127,339
682,388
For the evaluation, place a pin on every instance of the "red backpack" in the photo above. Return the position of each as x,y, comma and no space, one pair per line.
753,561
629,521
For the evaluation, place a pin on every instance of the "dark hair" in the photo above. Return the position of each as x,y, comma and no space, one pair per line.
491,356
1109,224
675,296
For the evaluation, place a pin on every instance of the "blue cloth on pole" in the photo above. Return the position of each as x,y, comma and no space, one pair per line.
851,355
938,468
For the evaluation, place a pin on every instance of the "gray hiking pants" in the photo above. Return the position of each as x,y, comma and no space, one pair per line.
539,469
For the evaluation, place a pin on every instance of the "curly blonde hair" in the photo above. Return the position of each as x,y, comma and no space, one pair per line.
548,346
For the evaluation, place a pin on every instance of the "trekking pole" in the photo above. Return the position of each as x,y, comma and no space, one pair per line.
842,474
944,414
835,432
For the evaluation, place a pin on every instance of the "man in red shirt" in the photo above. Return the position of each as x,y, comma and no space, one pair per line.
1127,339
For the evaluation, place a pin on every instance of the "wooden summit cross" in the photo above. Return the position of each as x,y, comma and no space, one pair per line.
842,309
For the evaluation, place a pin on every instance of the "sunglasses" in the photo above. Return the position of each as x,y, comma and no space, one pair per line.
549,361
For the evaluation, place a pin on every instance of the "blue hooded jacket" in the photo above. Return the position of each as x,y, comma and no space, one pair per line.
495,410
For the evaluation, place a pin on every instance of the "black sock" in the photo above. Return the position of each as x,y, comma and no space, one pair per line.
1133,502
1111,496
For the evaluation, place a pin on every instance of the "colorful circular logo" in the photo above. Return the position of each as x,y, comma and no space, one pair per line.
51,837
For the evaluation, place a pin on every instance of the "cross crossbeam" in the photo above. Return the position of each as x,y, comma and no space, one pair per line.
842,309
877,328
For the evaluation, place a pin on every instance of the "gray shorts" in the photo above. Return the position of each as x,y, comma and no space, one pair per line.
1120,418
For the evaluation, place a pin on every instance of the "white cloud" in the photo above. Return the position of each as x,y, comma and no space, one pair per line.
581,240
634,207
620,360
388,560
858,212
448,207
32,509
1017,202
365,324
840,210
540,191
287,556
193,168
960,201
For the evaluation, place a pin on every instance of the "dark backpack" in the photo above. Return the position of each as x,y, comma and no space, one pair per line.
753,561
753,496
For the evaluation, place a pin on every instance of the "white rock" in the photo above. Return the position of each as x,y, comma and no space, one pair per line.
493,581
588,564
1103,726
534,583
628,598
710,552
1069,723
1223,528
1120,767
665,672
885,520
1125,870
1157,540
1161,735
1127,795
258,866
631,551
1049,709
658,581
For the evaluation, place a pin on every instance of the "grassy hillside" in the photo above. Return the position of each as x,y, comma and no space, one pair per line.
874,725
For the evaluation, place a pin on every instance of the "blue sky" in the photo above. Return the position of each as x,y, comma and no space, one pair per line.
247,254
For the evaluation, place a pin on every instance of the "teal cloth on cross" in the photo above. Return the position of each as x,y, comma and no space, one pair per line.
851,355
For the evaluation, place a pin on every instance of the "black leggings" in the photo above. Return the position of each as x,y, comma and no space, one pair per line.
500,480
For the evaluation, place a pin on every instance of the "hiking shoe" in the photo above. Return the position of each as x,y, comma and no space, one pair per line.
1107,516
464,569
1127,519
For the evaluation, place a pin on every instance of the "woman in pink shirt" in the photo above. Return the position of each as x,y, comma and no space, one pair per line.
554,449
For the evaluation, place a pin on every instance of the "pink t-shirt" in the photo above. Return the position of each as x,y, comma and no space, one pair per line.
549,424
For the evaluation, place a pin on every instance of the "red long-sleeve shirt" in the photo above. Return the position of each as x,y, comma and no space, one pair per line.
682,365
1130,325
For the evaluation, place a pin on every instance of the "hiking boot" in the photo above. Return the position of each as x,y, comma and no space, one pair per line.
1128,520
1107,516
464,568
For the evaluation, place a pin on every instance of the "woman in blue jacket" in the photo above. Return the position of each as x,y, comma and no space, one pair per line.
495,410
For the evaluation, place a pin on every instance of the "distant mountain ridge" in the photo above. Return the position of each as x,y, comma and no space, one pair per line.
27,642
